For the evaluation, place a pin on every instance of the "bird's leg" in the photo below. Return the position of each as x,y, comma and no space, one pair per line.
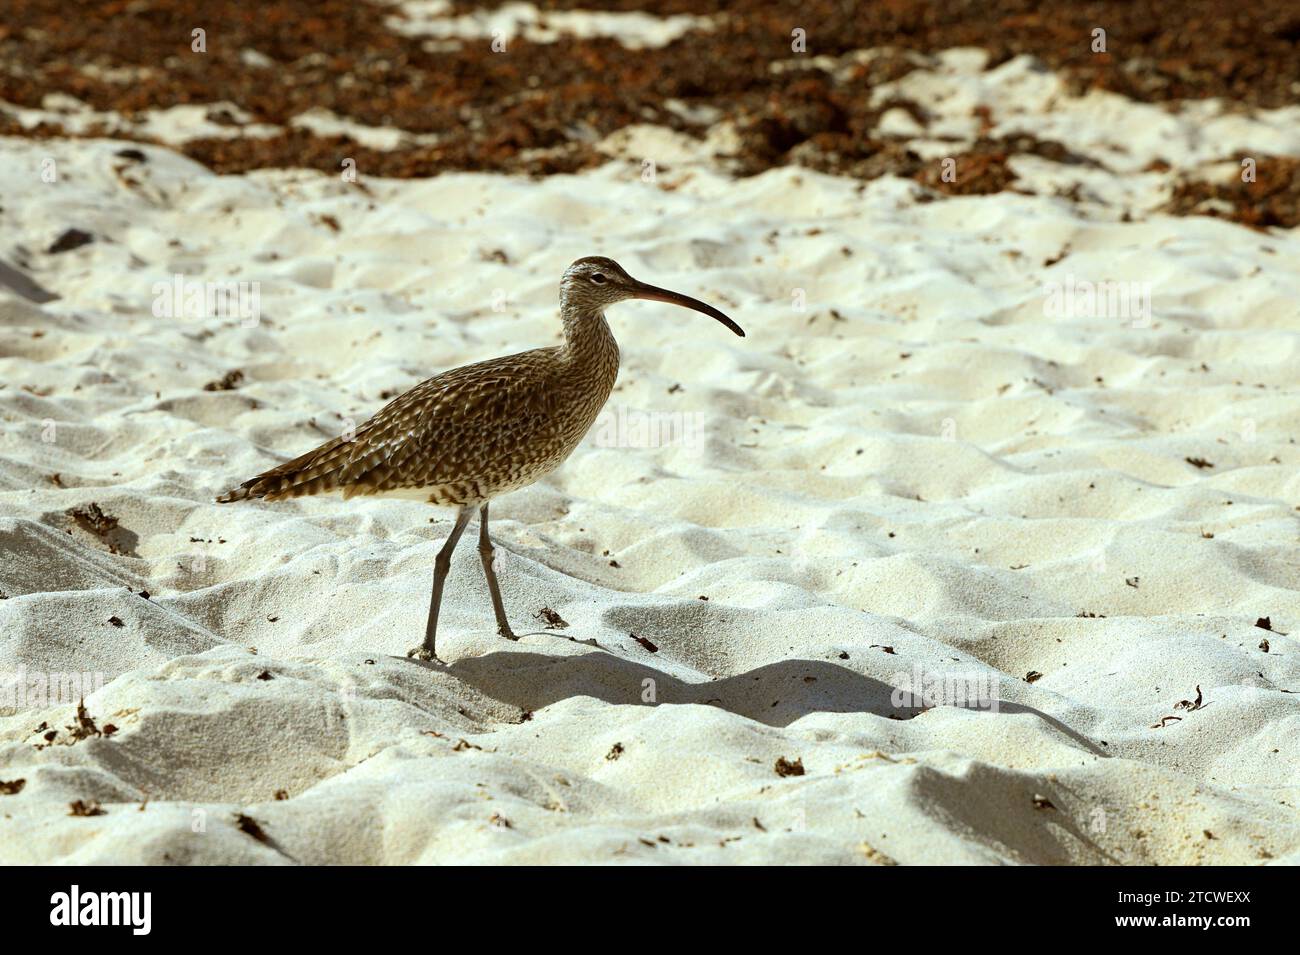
485,552
441,564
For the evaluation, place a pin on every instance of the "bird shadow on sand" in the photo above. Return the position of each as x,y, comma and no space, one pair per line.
776,694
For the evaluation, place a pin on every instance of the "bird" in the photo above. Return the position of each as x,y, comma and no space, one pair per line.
469,435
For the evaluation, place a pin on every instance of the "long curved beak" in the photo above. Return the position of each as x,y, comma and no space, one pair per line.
653,293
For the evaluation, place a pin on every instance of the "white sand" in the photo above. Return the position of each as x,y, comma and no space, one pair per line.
513,20
919,460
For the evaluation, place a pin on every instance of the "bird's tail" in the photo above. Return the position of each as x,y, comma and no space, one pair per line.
316,472
241,493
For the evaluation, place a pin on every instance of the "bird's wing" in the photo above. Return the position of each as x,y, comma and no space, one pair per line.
422,437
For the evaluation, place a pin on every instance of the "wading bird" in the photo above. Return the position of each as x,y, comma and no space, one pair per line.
471,434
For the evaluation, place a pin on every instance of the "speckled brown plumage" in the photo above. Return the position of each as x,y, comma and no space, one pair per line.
470,434
467,435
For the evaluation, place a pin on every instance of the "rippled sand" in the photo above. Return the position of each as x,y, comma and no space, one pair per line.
915,469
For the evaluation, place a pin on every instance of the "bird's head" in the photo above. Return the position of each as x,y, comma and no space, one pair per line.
594,282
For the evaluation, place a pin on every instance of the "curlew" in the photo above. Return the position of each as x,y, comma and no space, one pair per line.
466,436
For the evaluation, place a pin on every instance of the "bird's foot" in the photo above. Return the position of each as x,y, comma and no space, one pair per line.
422,653
504,630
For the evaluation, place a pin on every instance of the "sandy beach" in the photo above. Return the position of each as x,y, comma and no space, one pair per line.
980,548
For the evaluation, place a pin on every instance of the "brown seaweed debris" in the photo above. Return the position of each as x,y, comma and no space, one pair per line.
550,619
1268,197
83,725
69,240
91,518
86,807
1191,705
251,827
227,382
786,767
539,108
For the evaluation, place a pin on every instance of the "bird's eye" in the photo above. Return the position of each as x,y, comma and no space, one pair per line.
598,278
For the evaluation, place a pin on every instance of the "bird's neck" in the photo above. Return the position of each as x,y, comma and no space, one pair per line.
588,342
591,354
